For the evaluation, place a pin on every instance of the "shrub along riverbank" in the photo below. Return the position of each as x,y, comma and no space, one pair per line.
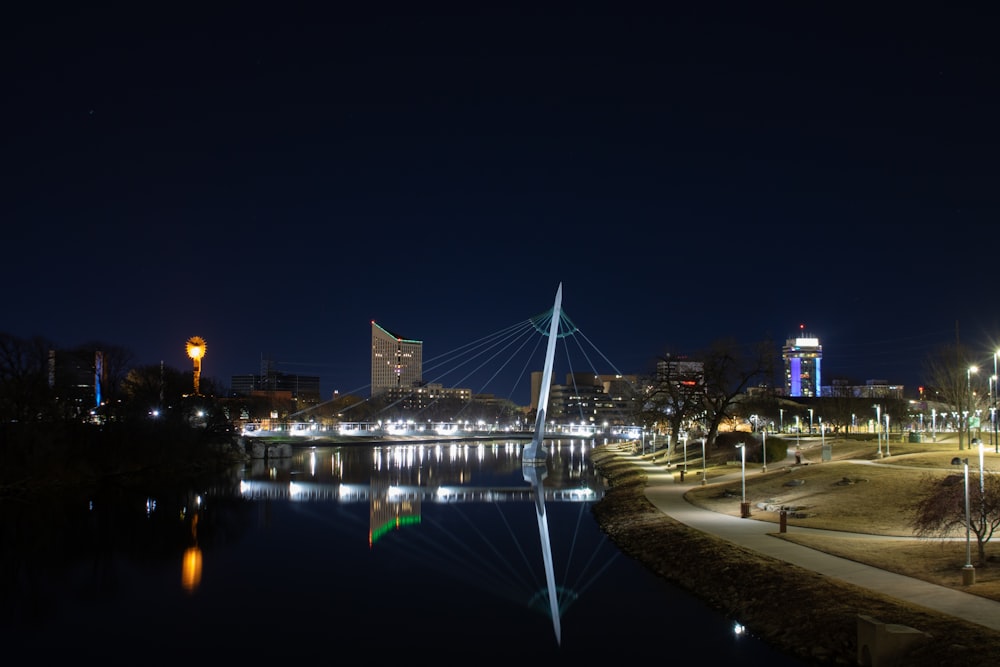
41,457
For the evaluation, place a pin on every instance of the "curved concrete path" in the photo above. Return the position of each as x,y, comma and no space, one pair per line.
667,495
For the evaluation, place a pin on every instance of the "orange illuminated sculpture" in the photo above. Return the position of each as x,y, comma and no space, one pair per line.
196,350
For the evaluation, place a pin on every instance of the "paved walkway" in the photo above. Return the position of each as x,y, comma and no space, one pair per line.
667,495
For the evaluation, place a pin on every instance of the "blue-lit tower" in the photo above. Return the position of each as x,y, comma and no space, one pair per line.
803,357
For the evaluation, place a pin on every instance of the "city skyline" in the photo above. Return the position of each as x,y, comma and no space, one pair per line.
273,184
456,363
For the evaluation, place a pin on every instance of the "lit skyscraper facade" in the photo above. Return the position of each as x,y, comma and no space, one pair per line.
803,357
396,361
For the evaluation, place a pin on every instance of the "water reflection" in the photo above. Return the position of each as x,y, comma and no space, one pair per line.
405,551
403,477
191,563
536,475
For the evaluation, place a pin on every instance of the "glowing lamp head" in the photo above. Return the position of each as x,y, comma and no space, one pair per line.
196,347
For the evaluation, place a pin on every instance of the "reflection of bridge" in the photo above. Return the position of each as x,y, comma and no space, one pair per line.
352,493
347,431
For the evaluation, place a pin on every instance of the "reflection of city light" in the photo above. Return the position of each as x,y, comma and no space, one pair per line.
191,569
191,563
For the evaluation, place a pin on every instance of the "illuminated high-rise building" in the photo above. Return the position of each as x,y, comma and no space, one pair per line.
802,357
397,362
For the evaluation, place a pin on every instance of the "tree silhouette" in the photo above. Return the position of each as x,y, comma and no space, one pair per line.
947,370
940,512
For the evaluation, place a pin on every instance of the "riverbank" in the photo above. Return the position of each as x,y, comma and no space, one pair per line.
46,457
799,612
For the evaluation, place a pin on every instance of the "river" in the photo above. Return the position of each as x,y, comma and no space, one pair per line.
369,553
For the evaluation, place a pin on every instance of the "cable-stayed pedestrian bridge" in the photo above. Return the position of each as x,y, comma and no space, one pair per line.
355,493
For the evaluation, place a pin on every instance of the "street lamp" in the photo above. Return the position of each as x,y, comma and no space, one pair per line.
887,434
982,492
933,425
703,478
763,450
196,350
878,427
810,421
968,572
781,418
968,397
989,401
827,450
744,506
996,415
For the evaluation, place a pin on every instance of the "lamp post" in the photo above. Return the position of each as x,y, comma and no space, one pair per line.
763,450
744,506
968,572
982,492
989,396
781,419
965,419
703,478
996,416
827,451
810,421
968,398
933,425
878,427
887,435
196,350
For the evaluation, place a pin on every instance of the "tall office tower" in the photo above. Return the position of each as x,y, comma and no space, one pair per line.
802,357
396,361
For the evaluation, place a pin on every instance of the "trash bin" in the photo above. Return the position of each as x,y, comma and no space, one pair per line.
783,521
916,436
744,510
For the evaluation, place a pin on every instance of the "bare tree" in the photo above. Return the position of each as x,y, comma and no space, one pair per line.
729,369
153,387
25,394
948,370
674,396
940,512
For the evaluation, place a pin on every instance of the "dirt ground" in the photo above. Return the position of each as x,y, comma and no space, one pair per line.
874,496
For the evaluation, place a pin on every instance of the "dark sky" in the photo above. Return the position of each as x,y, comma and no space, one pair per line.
273,180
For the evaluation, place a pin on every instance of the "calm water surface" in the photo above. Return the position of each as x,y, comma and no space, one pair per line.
371,553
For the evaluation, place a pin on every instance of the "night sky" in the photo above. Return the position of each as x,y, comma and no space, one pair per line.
273,180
